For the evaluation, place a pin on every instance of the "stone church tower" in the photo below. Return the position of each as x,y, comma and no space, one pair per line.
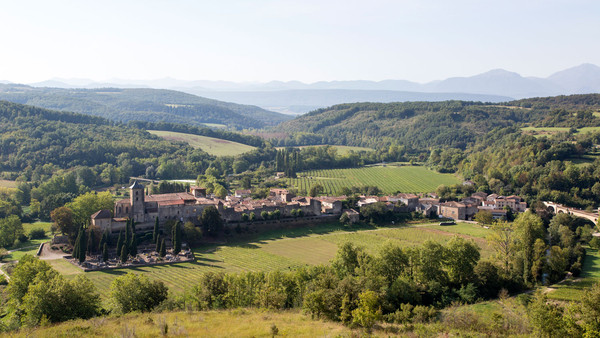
136,196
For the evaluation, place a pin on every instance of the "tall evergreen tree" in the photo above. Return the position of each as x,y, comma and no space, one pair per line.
124,254
119,243
157,244
105,252
102,241
163,249
155,232
127,238
90,241
75,252
82,246
133,247
176,238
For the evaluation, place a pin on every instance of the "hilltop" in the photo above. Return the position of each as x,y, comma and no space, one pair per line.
422,125
142,104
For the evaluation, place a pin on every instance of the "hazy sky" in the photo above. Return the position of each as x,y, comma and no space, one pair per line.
418,40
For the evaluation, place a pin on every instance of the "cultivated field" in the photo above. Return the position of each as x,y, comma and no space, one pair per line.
389,179
343,150
282,250
545,131
213,146
8,184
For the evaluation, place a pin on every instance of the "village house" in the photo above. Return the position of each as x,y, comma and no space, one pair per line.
353,215
331,205
242,193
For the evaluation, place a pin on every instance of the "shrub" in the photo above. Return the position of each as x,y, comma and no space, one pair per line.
37,234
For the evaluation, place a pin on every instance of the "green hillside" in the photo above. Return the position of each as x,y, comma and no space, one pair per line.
151,105
422,125
33,137
213,146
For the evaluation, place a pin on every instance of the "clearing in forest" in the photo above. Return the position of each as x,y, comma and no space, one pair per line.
211,145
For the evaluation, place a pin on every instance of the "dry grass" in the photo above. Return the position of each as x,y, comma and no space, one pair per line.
232,323
213,146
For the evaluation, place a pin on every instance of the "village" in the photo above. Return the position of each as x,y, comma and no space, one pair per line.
282,205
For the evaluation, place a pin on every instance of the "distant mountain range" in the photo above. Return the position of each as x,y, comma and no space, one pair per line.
296,97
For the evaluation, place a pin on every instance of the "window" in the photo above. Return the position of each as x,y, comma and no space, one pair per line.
136,199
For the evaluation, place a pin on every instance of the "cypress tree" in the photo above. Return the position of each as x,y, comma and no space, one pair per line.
163,249
75,252
157,244
177,240
119,243
82,247
155,232
124,254
90,241
133,248
102,241
105,252
127,238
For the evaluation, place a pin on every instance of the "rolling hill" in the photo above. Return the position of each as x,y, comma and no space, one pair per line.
151,105
422,125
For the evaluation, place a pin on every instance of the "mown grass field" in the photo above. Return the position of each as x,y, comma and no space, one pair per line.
572,289
389,179
283,250
343,150
213,146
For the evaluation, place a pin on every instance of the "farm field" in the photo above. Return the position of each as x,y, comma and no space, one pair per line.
410,179
8,184
282,250
340,149
213,146
545,131
572,290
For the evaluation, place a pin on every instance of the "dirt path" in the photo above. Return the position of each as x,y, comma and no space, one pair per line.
48,254
2,272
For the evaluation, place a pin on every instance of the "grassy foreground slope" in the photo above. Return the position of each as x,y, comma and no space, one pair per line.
280,250
389,179
213,146
491,318
234,323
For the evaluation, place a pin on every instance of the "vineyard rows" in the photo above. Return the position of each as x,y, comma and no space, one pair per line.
412,179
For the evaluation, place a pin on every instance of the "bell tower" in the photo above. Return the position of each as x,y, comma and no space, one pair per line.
136,198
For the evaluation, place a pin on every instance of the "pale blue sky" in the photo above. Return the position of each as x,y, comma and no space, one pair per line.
294,40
